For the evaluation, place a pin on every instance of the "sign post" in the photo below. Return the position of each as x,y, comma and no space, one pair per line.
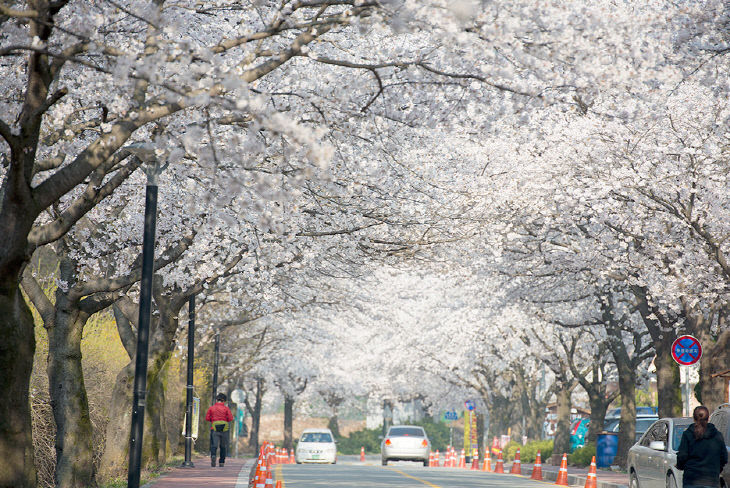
686,351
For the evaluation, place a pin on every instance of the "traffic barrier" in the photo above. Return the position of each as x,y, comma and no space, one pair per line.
475,460
487,466
591,481
563,473
499,468
516,464
362,454
462,459
537,468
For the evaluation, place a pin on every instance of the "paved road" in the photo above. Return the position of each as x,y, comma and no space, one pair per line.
398,475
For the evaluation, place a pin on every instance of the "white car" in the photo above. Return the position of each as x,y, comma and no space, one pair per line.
316,446
405,443
652,461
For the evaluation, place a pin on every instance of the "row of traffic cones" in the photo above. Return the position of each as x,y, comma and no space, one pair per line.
562,479
269,455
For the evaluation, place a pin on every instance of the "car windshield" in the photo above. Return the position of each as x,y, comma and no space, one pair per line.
643,424
406,432
316,437
679,429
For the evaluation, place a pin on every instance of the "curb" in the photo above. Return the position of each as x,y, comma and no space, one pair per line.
580,480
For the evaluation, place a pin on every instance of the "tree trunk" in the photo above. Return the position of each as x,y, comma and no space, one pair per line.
334,426
74,432
715,359
598,405
288,422
17,347
253,441
154,439
669,391
116,451
627,423
662,329
562,432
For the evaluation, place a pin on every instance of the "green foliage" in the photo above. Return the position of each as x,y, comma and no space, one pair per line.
437,432
582,456
367,438
528,452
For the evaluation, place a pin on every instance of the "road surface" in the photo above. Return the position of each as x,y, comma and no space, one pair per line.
395,475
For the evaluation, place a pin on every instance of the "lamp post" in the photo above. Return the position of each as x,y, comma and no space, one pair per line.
215,364
145,152
189,388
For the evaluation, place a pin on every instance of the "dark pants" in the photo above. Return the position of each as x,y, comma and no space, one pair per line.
219,439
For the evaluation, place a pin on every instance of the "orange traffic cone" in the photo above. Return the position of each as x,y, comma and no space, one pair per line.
436,460
475,460
269,478
430,459
516,464
563,473
292,458
537,468
591,481
279,484
260,476
362,454
487,466
499,468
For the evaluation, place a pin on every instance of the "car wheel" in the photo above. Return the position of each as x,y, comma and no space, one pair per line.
385,462
671,481
425,462
633,480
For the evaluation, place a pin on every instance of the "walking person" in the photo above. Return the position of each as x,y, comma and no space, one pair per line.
219,415
702,453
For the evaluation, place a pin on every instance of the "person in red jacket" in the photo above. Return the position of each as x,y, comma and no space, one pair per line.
219,415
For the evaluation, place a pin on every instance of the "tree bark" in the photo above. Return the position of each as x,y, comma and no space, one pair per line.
562,433
17,469
627,423
288,422
669,389
74,432
662,328
255,411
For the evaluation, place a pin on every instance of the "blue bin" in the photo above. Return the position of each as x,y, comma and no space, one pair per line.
606,448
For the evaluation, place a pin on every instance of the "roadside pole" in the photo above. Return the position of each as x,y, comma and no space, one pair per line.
686,351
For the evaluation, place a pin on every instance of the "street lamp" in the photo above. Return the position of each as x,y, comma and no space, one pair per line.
146,153
215,364
189,389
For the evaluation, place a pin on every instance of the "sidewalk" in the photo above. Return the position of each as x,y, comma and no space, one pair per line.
233,475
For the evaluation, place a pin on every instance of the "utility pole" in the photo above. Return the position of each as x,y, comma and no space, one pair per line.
188,463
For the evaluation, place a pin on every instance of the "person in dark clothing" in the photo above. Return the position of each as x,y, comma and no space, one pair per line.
701,453
219,415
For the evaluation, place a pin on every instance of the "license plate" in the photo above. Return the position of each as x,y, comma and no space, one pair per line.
315,456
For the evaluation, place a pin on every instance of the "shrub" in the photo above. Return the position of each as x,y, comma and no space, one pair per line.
528,452
367,438
582,456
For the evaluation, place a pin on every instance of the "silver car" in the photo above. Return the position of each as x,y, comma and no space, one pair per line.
652,461
405,443
720,418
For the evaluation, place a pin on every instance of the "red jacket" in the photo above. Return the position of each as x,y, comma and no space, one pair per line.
217,413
